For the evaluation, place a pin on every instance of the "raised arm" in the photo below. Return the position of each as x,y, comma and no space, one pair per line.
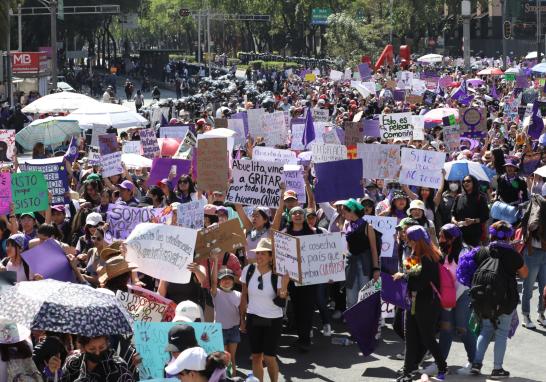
278,214
247,224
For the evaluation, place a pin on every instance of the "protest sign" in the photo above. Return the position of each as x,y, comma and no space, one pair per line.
274,129
93,157
29,192
332,136
170,311
473,119
123,219
7,145
404,79
293,180
191,215
452,137
418,87
255,183
429,98
322,258
338,180
212,164
371,128
220,123
362,322
270,154
255,122
379,161
387,227
5,193
238,126
297,129
522,82
97,130
140,308
225,237
151,339
354,132
110,155
328,152
445,81
287,256
162,167
418,122
422,167
173,131
148,140
321,115
336,75
131,147
162,251
396,126
54,171
48,260
414,99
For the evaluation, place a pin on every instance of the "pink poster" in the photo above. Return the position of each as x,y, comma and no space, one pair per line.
5,192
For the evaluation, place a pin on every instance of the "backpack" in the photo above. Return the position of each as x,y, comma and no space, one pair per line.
448,292
23,370
280,302
489,289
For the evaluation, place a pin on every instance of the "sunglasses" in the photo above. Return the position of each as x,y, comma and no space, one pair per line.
260,282
96,238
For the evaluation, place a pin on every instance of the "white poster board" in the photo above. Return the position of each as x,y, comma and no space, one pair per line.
322,258
286,254
422,168
255,183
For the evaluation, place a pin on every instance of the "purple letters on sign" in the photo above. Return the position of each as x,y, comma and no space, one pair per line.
5,192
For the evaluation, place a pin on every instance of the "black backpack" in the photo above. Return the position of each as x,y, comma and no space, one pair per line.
280,302
490,291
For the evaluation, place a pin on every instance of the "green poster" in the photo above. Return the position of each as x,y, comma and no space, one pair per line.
510,76
29,191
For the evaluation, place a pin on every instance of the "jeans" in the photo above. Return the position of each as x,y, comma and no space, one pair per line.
501,337
359,279
322,303
536,263
457,320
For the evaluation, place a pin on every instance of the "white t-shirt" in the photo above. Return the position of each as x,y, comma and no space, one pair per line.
260,302
226,308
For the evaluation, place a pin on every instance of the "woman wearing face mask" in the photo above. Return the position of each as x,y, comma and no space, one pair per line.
448,197
95,362
470,211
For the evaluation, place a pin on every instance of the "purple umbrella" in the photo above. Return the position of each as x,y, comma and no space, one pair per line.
475,82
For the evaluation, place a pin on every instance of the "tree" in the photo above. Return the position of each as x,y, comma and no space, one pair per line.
5,6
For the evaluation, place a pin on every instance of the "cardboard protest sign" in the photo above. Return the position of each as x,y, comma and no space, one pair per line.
212,164
287,256
396,126
191,215
322,258
238,126
7,145
473,119
328,152
48,259
170,311
29,192
255,183
140,308
162,167
414,99
148,140
354,132
274,129
452,137
225,237
270,154
422,167
293,180
123,219
179,131
151,339
338,180
55,173
131,147
387,227
5,193
110,155
255,122
379,161
162,251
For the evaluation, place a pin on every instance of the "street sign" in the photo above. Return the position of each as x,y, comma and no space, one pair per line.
183,12
319,16
507,30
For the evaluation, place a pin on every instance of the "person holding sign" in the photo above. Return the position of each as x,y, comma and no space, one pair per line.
362,260
256,228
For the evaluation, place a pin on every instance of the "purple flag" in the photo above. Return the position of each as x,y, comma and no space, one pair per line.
48,259
364,70
161,167
494,91
309,131
460,92
244,117
535,128
72,151
466,100
338,180
164,121
362,322
394,292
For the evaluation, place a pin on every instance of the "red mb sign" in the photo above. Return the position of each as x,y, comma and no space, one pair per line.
26,62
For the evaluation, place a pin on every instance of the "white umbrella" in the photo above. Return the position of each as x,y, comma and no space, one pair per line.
513,70
59,103
531,55
220,132
132,160
65,87
431,58
50,131
108,114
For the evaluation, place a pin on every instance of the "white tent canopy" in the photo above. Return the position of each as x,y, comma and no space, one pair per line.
108,114
431,58
61,102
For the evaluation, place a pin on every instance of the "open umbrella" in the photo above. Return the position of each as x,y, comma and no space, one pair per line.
59,103
514,70
437,115
539,68
475,82
132,160
108,114
531,55
50,131
457,170
430,58
490,72
65,308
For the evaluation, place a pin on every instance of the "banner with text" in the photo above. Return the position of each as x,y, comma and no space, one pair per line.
256,183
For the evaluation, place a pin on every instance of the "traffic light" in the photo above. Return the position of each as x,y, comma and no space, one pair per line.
507,30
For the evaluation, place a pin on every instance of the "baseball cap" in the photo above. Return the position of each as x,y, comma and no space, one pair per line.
18,238
193,359
188,311
31,214
127,185
406,222
94,218
58,208
181,337
290,194
225,272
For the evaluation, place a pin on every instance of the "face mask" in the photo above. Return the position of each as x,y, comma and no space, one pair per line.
96,358
453,186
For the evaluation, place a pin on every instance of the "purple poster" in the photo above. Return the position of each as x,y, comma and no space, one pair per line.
55,173
394,292
338,180
5,192
363,321
365,73
399,94
108,144
244,117
161,167
371,128
48,260
522,82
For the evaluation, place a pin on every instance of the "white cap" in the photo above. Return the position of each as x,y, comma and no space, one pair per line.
188,311
194,359
94,218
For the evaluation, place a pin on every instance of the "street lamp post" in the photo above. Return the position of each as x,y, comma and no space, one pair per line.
465,12
53,7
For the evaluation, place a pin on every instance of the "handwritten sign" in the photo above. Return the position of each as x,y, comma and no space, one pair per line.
212,164
170,311
270,154
148,140
379,161
29,191
354,132
5,193
320,115
297,130
274,129
421,167
322,258
452,137
123,219
131,147
287,256
110,155
238,126
328,152
256,183
191,215
151,339
255,122
173,131
162,251
140,308
54,171
396,126
387,227
7,145
225,237
293,180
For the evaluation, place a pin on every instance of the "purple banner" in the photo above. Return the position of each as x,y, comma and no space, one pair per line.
371,128
48,260
363,321
5,193
338,180
161,167
55,173
394,292
365,72
522,82
399,94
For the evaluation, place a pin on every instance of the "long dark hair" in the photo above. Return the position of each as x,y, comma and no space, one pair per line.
498,160
191,185
429,203
216,360
475,187
456,247
19,350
